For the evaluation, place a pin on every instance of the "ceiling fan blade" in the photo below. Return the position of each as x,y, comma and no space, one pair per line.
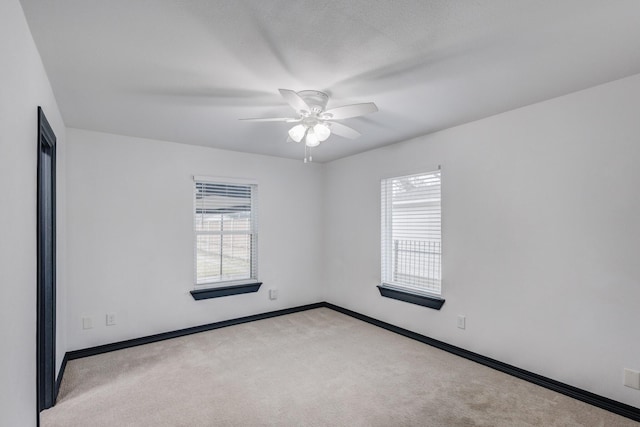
348,111
294,100
343,131
272,119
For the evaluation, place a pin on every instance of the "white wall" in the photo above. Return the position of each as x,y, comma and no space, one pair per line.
541,235
24,86
541,232
130,236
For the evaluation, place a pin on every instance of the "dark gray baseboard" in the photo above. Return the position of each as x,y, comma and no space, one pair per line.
557,386
92,351
566,389
60,374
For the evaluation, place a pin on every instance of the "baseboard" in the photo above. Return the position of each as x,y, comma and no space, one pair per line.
120,345
63,366
557,386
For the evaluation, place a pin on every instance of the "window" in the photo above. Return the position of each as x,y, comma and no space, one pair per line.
225,232
411,233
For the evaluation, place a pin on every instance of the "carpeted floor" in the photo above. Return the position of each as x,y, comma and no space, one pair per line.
313,368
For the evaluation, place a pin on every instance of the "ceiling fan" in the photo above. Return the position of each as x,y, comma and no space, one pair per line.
314,123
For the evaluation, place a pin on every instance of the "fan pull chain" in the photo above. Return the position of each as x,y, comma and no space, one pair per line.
307,154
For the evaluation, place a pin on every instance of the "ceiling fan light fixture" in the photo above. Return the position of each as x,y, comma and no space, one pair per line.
312,139
297,132
315,124
322,131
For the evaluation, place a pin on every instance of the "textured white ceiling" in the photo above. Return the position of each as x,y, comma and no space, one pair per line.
187,70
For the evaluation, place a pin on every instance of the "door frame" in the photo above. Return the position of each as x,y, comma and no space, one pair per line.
46,289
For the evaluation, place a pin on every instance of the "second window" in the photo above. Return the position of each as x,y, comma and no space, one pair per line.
411,233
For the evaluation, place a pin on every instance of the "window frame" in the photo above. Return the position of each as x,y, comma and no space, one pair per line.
214,289
387,288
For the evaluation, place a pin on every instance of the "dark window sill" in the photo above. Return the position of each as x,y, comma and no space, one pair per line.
225,291
410,297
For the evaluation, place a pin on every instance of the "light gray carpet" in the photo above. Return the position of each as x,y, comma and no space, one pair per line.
313,368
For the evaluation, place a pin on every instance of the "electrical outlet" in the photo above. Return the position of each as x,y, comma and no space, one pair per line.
632,378
87,323
462,322
111,319
273,294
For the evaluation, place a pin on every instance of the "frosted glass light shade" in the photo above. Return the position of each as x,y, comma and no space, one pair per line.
312,139
297,132
322,131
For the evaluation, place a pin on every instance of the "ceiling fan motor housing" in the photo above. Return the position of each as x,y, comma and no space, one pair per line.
316,100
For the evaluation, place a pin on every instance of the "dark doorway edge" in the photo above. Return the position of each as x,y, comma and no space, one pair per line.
46,266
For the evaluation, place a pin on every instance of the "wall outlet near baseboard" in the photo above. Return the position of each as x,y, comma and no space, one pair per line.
273,294
87,323
111,319
632,378
462,322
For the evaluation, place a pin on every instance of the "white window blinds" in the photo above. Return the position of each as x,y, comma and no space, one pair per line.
225,232
411,232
